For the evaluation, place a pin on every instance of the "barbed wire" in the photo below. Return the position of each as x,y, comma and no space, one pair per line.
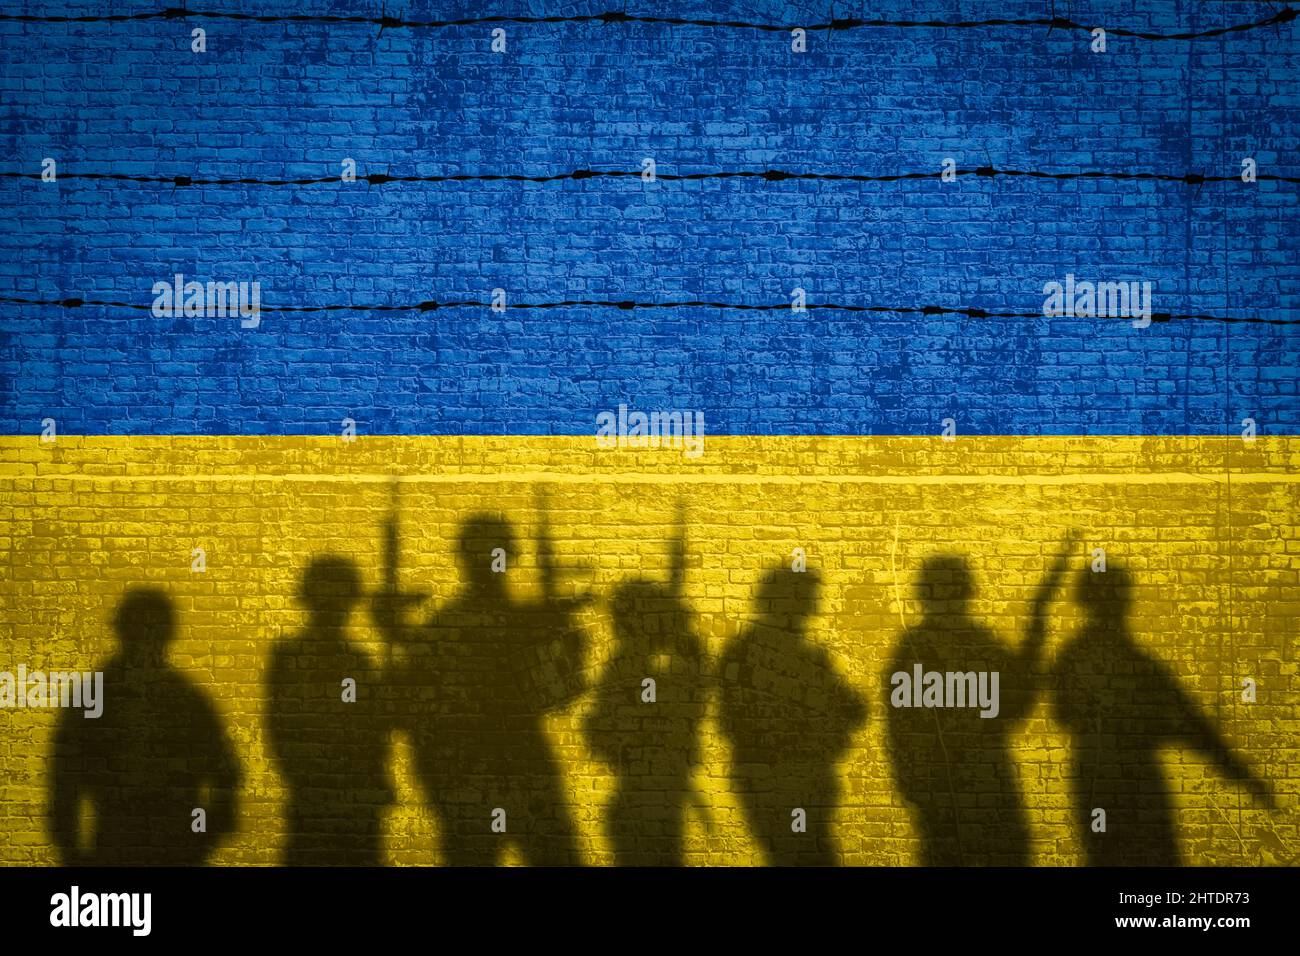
629,305
615,17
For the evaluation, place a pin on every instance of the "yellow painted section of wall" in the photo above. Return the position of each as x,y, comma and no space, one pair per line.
1209,527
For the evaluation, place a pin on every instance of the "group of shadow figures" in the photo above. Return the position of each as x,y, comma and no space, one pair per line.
471,686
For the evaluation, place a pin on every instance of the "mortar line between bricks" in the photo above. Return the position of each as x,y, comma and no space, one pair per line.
589,478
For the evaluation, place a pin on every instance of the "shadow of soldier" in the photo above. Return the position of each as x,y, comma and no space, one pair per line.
789,719
478,679
156,756
953,762
1122,707
328,728
644,722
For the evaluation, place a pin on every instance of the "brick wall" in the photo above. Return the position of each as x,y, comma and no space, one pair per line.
1204,521
272,100
1215,569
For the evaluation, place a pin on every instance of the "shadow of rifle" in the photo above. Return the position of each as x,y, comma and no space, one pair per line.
553,672
391,604
677,588
550,570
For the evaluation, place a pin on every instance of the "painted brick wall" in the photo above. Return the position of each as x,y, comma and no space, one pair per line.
1206,524
1216,568
280,99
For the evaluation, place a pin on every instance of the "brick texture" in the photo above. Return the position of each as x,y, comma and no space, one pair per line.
273,100
1215,565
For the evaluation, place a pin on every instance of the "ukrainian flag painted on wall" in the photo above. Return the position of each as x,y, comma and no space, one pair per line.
451,508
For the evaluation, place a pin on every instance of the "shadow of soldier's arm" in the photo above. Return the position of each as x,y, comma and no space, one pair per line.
1194,727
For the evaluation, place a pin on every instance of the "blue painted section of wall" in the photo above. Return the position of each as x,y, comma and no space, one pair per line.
285,99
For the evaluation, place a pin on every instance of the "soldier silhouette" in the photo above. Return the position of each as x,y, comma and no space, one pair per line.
953,766
789,718
481,675
645,718
327,729
1122,707
156,756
